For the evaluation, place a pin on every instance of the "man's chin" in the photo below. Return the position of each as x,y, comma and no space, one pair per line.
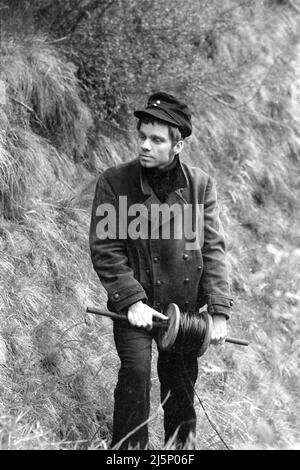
147,162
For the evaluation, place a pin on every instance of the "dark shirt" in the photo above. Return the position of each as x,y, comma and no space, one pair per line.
165,180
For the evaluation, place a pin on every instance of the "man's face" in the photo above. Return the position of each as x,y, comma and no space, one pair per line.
155,146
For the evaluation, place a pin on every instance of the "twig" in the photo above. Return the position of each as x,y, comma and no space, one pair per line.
234,7
245,103
210,95
272,121
116,447
240,105
224,13
23,104
28,109
58,40
72,326
291,2
87,10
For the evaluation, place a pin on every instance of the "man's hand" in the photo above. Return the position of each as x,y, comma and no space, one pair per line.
141,315
219,330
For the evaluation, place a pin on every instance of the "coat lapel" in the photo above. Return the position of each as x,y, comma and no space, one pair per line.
176,198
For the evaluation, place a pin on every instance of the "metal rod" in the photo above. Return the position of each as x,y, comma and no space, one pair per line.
160,324
119,316
242,342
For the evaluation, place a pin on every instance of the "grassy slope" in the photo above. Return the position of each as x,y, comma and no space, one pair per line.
58,365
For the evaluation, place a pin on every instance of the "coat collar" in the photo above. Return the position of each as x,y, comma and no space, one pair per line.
148,191
175,197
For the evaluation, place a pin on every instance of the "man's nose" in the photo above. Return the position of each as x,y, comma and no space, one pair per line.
146,144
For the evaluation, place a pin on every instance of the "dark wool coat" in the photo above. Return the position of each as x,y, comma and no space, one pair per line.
159,269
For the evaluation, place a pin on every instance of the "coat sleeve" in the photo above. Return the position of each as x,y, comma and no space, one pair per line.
108,252
214,281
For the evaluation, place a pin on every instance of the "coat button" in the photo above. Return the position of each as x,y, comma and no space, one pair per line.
156,259
148,271
231,303
185,256
158,283
199,268
186,281
116,296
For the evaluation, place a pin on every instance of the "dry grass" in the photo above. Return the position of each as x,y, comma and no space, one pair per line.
43,122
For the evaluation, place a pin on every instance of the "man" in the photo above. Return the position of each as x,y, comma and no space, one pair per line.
145,262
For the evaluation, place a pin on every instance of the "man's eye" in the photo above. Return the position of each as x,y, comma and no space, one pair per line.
157,141
142,137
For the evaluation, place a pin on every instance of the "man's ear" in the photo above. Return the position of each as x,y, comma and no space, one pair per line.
179,146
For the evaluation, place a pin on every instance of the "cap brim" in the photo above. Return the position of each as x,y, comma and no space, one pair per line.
156,113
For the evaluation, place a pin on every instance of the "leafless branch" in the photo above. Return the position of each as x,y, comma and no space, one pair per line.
235,7
214,97
89,9
297,9
23,104
246,102
227,11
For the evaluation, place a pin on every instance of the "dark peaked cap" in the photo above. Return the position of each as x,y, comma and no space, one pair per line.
167,108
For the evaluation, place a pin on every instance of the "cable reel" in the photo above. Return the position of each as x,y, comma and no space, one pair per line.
183,331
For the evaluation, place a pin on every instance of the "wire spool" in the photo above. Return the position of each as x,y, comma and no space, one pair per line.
187,332
167,337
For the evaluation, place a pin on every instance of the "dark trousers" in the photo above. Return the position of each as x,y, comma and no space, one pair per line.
177,373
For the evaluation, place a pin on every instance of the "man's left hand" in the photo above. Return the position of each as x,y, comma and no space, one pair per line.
219,330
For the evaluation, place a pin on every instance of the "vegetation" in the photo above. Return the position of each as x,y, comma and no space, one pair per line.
72,73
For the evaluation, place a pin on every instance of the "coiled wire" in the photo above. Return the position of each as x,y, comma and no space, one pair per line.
191,332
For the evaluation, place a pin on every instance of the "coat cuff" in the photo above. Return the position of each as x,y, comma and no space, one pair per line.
219,305
123,298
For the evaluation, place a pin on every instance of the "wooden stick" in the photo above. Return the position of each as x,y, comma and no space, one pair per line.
119,316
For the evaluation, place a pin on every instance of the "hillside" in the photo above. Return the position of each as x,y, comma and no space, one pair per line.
59,128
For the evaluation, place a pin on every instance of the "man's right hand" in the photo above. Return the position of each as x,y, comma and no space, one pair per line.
141,315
